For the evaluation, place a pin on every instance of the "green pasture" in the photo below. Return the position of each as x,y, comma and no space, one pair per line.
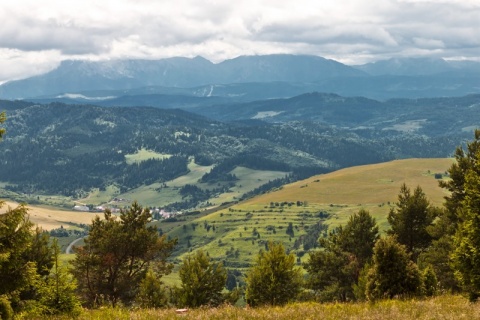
144,154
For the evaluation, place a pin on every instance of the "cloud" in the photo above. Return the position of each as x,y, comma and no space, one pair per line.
352,31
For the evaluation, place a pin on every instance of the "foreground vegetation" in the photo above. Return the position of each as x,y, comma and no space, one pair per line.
441,307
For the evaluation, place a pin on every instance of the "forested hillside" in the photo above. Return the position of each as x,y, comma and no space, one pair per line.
71,149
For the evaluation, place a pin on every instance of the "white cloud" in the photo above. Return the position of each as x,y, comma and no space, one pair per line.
41,33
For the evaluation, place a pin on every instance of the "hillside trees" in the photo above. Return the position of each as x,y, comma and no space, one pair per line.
202,281
117,255
410,219
274,279
334,270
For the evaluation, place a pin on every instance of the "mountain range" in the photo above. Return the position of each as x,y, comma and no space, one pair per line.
245,78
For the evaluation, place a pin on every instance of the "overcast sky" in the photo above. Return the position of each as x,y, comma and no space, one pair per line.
36,35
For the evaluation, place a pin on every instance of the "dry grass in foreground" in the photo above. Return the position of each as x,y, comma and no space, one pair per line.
442,307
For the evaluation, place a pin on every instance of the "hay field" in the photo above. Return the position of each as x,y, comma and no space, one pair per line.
50,218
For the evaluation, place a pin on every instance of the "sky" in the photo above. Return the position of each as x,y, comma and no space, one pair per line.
35,36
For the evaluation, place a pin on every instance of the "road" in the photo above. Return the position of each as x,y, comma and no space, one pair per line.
70,246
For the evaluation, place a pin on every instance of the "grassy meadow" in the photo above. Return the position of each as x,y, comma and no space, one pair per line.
438,308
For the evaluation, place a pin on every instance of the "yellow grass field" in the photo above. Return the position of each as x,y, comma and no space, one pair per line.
368,184
50,218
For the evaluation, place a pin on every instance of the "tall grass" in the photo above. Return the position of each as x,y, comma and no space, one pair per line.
442,307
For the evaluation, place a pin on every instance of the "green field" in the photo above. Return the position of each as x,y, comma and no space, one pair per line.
143,154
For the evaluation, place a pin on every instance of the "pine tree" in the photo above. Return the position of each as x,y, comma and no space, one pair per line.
117,255
334,270
274,279
57,291
202,281
152,293
466,257
392,273
410,219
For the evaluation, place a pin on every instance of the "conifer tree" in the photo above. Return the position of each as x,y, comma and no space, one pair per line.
202,281
410,219
466,256
333,271
392,273
117,254
274,278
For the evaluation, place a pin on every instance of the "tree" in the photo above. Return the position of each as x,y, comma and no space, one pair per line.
410,219
57,291
358,237
465,160
393,273
3,117
466,257
274,279
202,281
334,270
117,255
16,273
152,293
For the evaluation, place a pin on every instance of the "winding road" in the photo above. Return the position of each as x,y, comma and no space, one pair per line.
70,246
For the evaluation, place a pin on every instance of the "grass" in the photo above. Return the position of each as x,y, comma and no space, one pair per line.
144,154
442,307
49,217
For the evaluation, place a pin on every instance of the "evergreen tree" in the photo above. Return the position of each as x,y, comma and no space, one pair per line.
16,273
274,279
152,293
465,160
202,281
393,273
57,291
117,255
466,257
410,219
334,270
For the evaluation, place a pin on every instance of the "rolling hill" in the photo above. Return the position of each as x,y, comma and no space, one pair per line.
236,233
